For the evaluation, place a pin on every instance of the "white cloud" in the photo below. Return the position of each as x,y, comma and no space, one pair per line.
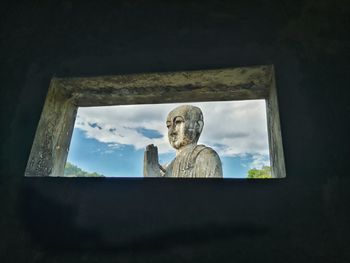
259,160
231,128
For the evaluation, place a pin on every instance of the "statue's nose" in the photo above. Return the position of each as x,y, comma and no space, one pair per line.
172,131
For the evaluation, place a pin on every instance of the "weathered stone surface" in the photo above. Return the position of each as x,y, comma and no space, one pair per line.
185,124
217,84
150,164
50,148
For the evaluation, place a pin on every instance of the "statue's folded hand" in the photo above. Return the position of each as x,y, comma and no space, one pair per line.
151,164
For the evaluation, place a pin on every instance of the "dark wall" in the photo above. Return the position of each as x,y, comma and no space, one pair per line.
303,218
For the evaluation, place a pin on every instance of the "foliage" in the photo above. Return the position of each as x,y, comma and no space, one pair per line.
72,170
264,172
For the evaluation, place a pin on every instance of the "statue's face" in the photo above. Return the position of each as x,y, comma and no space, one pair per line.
184,126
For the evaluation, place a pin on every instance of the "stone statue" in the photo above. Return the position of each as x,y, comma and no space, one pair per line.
185,124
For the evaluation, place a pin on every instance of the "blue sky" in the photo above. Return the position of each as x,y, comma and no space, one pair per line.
111,140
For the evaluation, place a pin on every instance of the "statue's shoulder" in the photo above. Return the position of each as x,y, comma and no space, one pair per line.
207,163
204,152
204,149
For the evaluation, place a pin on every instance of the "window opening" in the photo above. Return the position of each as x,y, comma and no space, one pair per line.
66,95
110,140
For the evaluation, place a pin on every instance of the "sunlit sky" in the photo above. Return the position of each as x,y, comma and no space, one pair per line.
110,140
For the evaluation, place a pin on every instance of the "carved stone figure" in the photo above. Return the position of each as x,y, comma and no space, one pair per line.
185,124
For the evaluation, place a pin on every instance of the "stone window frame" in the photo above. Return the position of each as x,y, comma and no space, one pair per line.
53,135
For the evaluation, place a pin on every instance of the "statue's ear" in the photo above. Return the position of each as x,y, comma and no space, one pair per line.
200,125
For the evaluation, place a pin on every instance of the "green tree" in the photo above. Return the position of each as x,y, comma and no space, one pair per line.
72,170
264,172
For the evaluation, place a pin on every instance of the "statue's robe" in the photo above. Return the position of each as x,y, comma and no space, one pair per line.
195,161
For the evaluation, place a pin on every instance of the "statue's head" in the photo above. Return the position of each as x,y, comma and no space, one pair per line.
185,124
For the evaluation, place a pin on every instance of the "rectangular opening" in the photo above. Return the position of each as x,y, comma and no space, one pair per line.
68,96
110,141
